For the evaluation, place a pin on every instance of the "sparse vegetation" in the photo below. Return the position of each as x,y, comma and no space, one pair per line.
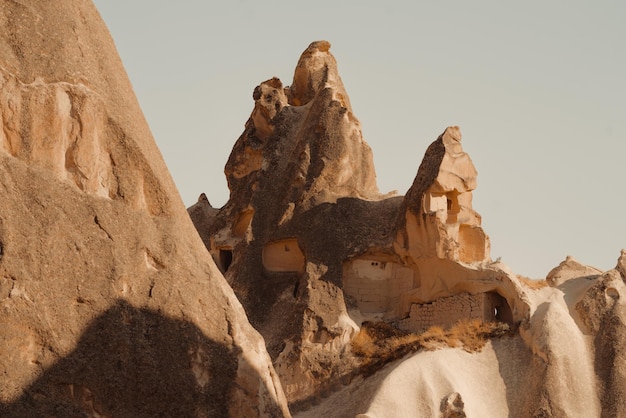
380,343
533,283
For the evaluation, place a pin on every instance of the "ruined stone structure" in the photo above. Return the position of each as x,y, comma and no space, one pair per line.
377,286
307,236
447,311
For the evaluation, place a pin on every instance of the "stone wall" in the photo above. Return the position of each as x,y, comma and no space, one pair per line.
445,312
377,285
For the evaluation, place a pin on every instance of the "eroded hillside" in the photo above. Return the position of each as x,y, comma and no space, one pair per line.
315,253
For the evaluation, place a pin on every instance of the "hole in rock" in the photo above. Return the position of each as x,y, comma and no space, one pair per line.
452,205
295,289
226,259
610,292
283,256
500,308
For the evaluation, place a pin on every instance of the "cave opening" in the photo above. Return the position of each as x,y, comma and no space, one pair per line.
226,259
500,308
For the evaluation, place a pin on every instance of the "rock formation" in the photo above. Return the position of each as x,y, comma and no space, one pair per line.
111,305
306,235
314,252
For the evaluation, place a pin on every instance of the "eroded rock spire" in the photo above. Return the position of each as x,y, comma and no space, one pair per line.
306,235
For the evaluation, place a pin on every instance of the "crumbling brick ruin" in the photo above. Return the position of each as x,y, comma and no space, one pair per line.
447,311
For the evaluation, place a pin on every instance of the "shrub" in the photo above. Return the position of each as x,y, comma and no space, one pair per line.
380,343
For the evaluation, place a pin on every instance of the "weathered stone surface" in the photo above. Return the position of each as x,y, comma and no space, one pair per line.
110,304
566,360
452,406
300,162
307,236
447,311
621,264
440,220
570,269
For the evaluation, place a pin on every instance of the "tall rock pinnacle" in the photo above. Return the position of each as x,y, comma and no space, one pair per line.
306,235
438,205
302,139
316,70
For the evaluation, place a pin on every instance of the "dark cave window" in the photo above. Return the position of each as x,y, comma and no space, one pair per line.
226,258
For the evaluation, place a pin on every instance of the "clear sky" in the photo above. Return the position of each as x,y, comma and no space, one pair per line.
537,87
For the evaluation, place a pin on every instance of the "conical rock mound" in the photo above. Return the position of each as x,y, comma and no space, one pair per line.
111,305
307,236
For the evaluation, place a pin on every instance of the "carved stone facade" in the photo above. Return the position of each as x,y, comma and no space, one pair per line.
377,285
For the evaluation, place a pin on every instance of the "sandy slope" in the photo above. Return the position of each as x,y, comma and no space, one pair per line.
415,386
546,369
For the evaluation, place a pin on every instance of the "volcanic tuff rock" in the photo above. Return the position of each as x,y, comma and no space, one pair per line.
112,307
110,304
313,251
306,235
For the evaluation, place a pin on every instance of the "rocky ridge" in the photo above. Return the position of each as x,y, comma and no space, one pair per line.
307,236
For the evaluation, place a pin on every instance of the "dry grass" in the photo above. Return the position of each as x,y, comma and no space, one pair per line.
380,343
532,283
472,335
377,337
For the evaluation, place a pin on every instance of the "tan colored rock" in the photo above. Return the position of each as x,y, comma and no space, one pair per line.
110,304
317,70
298,164
305,234
621,264
570,269
567,359
603,310
329,258
291,115
440,220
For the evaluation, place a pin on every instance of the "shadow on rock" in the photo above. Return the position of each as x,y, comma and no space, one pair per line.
134,362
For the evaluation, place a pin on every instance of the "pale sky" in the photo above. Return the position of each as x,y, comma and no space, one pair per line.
537,87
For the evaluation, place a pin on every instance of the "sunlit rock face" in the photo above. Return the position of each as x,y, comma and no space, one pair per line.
110,304
312,250
300,161
440,220
307,236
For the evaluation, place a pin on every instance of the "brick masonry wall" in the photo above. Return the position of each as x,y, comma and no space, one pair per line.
445,312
